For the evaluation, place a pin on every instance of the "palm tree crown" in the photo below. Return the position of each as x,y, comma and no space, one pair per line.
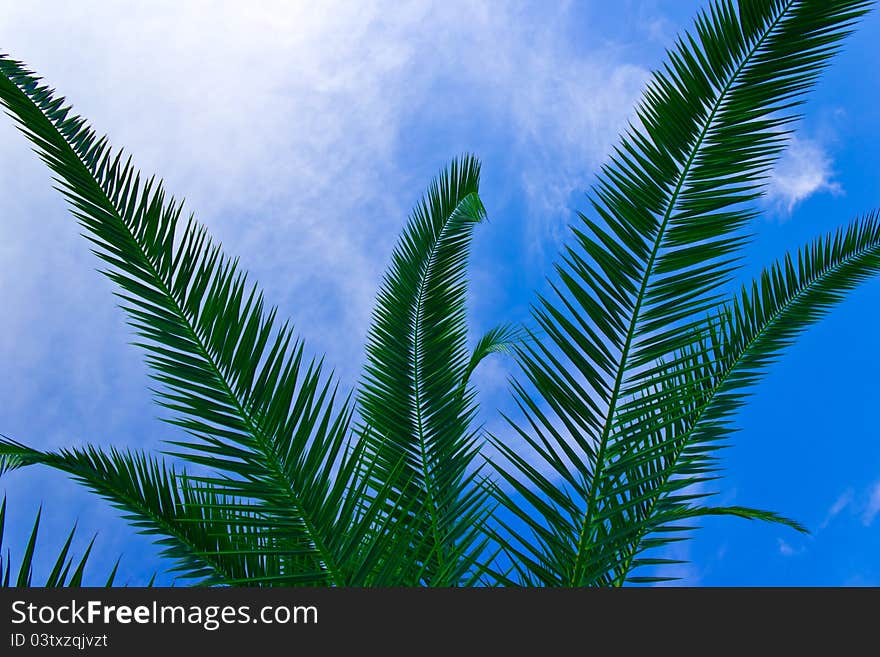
630,372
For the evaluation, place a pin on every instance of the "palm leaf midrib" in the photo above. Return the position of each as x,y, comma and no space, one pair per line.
582,550
417,349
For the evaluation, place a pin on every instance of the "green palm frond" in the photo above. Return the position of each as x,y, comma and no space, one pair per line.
208,536
668,454
415,396
255,409
65,571
670,207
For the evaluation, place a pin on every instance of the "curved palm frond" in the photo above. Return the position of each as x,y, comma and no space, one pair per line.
502,339
670,206
256,411
414,396
209,536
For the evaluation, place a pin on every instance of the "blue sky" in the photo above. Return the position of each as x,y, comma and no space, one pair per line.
301,133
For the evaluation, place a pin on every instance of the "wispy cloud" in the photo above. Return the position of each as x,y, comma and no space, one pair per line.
872,509
288,125
788,550
842,502
866,506
804,169
655,24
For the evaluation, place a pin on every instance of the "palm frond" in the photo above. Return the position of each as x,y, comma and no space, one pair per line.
670,207
672,453
628,391
414,395
254,407
208,536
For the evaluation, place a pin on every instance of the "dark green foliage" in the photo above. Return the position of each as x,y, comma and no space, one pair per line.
631,376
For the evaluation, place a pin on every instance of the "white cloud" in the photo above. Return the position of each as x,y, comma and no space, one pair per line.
804,169
842,502
873,506
282,124
788,550
869,509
